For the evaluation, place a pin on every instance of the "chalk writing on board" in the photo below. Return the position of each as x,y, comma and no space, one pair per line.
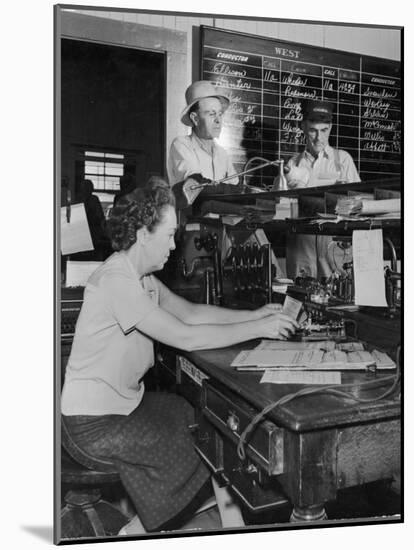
267,81
223,68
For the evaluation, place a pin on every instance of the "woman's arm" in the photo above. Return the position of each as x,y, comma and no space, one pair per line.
199,314
168,329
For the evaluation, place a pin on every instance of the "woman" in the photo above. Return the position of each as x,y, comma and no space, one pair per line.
125,309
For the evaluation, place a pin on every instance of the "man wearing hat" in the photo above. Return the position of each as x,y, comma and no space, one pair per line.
319,164
198,154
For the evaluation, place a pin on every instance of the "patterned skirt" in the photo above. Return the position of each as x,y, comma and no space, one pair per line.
153,451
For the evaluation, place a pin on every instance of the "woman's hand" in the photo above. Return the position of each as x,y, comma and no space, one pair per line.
278,326
268,309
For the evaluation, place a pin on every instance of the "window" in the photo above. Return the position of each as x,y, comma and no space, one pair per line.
104,169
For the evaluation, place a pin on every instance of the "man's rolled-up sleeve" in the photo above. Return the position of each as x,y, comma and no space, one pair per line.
350,173
182,162
230,172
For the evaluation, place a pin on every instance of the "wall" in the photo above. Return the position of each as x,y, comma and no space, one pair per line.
171,43
365,40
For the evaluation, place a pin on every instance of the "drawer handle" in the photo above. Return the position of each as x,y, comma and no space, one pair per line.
233,422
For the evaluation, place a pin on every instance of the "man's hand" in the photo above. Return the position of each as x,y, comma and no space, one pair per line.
297,177
198,178
191,190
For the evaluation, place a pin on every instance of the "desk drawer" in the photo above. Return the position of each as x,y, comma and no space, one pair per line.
231,415
209,444
259,491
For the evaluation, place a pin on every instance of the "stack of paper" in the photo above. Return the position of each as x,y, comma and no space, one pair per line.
357,206
349,346
382,360
301,377
348,206
279,345
283,209
282,355
272,359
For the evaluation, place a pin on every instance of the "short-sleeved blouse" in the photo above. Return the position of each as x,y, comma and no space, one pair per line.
110,355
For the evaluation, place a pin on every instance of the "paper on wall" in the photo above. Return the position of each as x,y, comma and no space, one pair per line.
369,280
77,273
75,235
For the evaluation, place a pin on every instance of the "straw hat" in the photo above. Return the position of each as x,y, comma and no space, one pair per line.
200,90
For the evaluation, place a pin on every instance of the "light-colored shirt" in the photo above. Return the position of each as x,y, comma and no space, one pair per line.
110,355
330,166
312,253
188,155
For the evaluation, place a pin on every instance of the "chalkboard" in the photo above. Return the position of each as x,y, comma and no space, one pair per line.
266,80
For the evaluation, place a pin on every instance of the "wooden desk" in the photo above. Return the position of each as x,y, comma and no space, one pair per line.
310,447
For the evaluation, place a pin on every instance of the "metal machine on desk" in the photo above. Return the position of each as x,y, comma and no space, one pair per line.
249,267
339,287
330,330
342,285
213,278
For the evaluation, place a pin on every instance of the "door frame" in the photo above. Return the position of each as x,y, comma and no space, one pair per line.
112,32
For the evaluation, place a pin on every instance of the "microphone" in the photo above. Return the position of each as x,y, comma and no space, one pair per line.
242,173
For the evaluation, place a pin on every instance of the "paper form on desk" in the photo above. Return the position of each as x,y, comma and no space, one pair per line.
367,251
277,359
311,360
300,377
280,345
382,360
341,360
75,235
350,346
325,345
355,360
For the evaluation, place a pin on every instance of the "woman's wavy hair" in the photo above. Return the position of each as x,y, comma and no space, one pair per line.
143,207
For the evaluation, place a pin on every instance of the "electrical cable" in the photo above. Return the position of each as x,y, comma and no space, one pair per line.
335,389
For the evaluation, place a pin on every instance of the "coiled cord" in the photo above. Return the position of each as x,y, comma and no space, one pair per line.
335,389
